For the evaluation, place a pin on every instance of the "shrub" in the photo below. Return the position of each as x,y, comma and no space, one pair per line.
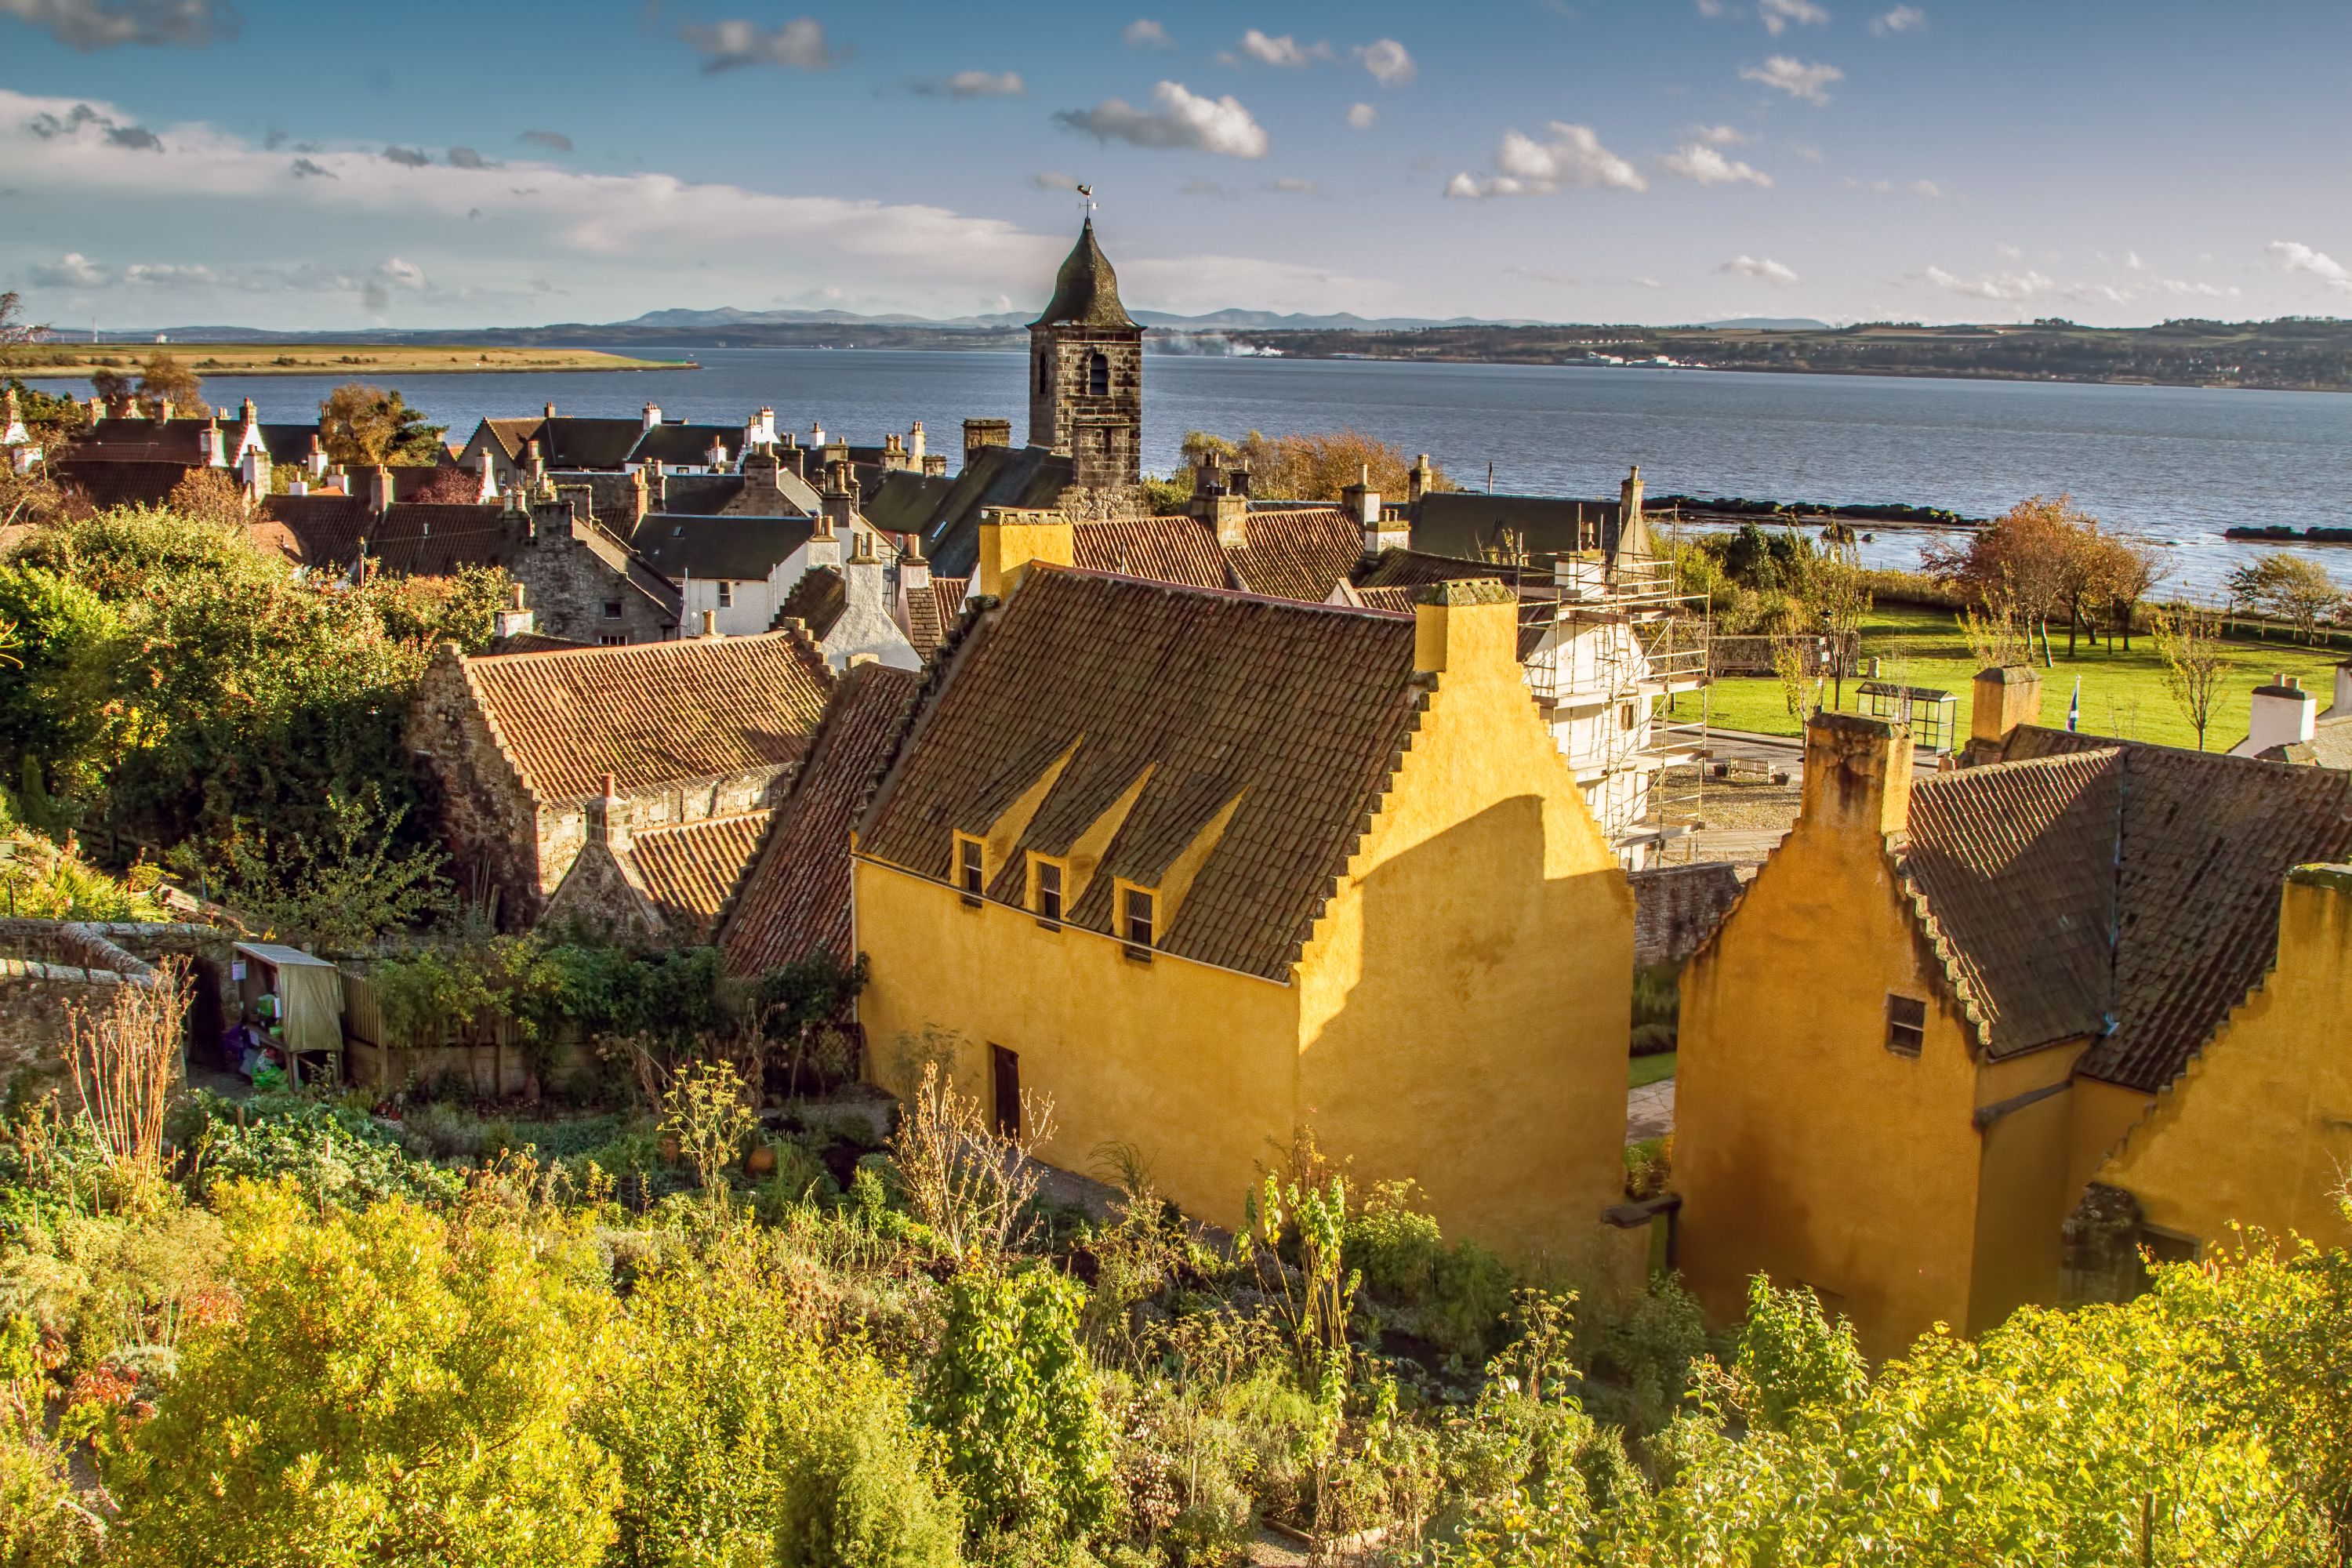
1460,1292
1012,1393
865,1487
334,1153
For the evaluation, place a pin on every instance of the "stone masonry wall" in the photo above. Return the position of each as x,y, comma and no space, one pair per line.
47,967
1676,908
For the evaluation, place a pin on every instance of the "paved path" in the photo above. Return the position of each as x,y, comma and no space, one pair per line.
1650,1112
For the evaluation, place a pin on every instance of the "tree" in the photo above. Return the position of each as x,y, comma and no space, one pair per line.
211,496
363,425
338,892
448,485
389,1387
2032,555
161,380
2188,641
2293,588
1313,466
1837,593
2134,571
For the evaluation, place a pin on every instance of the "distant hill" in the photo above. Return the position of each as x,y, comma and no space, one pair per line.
1765,324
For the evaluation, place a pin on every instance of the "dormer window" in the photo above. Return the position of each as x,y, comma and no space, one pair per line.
1138,915
1045,888
971,866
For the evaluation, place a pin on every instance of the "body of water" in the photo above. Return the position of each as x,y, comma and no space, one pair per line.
2173,465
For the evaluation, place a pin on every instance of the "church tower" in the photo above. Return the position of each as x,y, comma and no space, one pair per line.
1086,373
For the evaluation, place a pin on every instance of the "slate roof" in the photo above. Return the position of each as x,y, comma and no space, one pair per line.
795,899
421,539
906,501
1468,524
567,441
113,482
1294,714
2122,890
117,439
651,713
738,548
685,444
1394,568
1085,290
2330,745
690,871
993,477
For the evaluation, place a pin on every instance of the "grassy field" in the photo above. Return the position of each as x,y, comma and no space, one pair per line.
1648,1070
2122,694
357,360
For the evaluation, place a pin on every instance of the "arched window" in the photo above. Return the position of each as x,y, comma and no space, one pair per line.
1098,376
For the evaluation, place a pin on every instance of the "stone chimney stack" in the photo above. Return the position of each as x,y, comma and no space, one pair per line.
379,489
486,492
551,411
1363,504
1421,479
979,433
717,455
253,471
1857,775
211,445
935,465
653,416
515,619
315,460
640,496
1467,630
915,443
535,464
607,823
914,571
2004,698
816,433
839,498
2342,708
2282,714
1629,498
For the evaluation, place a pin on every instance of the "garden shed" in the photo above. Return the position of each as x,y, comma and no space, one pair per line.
308,995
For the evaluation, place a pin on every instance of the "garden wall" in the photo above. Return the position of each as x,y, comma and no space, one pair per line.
48,966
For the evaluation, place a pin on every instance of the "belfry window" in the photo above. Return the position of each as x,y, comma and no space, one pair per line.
1098,376
1045,372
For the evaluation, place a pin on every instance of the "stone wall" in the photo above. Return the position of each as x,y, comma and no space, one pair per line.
49,967
571,574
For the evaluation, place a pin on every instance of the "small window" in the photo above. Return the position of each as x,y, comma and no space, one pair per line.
1044,373
1625,715
726,594
971,870
1906,1024
612,609
1136,921
1045,888
1098,376
615,639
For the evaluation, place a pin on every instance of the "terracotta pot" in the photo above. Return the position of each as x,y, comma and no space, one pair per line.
761,1161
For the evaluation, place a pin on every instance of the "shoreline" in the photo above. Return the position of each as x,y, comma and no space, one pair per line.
356,360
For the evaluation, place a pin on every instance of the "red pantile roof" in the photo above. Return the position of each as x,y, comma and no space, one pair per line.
796,896
1164,549
1293,714
1299,553
2126,891
651,713
690,870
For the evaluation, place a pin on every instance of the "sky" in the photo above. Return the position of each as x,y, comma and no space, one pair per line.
334,166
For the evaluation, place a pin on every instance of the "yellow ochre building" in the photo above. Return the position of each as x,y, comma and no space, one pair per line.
1976,1040
1207,867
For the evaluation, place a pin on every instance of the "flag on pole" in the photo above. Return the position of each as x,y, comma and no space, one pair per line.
2074,708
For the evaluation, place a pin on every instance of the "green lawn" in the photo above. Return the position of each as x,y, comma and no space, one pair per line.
1652,1070
2122,694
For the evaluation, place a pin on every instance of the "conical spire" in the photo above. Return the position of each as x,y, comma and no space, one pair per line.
1086,291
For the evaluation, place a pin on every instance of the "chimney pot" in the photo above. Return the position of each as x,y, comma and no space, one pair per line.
710,623
1857,774
2281,714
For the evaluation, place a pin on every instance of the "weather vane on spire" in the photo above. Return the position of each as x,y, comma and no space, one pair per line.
1086,199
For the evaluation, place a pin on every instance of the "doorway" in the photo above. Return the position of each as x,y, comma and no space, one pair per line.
1004,1081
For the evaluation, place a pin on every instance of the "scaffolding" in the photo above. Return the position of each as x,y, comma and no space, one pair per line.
1616,656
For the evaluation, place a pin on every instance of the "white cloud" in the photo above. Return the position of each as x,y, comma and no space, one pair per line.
1709,167
726,46
1806,151
971,84
553,141
1182,118
1720,135
93,24
71,270
1360,116
1777,15
1052,181
2291,256
1713,8
1902,19
1785,73
1926,188
1143,33
1573,158
1388,61
2003,286
1282,51
1762,270
1289,185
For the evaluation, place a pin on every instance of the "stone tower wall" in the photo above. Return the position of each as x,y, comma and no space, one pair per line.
1102,433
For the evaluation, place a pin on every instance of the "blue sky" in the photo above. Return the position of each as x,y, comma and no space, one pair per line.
170,162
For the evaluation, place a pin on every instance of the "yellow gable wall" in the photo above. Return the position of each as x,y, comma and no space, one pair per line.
2259,1128
1193,1066
1804,1148
2023,1194
1466,1000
